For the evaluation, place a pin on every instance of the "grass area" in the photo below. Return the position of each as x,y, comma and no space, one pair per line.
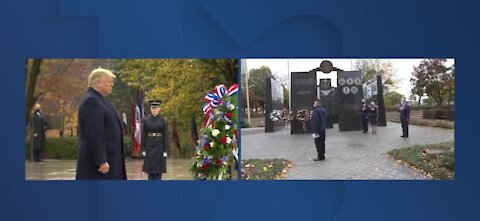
434,160
265,169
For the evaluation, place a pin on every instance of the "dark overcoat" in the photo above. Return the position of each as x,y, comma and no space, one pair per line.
100,138
39,128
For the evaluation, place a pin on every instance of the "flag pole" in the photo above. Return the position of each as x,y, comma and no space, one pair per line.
289,85
246,85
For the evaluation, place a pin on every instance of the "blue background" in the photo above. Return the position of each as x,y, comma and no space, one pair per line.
248,28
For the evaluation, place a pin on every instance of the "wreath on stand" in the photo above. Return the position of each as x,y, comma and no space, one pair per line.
304,116
217,150
287,116
274,116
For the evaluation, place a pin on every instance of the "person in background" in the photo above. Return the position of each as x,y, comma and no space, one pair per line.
39,127
373,117
404,116
364,112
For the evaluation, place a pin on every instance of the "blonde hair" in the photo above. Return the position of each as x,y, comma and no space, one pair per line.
97,74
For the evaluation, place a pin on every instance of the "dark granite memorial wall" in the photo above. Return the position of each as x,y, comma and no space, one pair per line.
349,100
303,93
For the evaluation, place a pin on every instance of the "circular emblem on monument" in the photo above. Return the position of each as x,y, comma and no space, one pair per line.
326,66
349,81
358,81
341,81
346,90
354,90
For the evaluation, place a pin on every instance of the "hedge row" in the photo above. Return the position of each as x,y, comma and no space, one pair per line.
66,148
439,114
416,107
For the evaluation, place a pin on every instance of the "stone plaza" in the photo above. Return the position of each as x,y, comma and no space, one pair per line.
350,155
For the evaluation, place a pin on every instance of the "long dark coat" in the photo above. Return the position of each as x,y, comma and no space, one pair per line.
154,146
39,128
100,138
373,115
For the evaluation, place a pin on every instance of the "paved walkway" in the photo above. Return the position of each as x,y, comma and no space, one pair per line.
349,155
177,169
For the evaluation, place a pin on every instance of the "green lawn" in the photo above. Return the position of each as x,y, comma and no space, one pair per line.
265,169
434,160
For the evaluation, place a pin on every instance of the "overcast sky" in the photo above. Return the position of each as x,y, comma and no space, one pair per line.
280,67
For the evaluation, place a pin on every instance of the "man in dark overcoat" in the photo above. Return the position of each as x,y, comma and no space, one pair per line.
100,151
404,116
39,128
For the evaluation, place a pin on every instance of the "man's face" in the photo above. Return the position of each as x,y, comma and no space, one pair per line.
105,85
37,107
403,100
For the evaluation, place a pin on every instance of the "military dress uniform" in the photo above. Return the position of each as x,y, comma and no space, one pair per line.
154,145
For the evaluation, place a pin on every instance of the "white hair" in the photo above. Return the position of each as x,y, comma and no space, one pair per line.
97,74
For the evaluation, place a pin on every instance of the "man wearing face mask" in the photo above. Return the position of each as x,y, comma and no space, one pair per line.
39,127
364,112
154,143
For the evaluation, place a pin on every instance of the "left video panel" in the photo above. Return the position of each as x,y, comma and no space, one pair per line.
131,119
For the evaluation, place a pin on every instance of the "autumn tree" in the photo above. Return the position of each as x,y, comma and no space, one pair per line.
256,82
433,78
59,85
180,84
32,70
370,68
392,98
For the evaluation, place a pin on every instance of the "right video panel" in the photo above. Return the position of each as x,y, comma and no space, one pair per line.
348,119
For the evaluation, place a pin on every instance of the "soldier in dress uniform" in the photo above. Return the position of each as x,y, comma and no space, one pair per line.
154,143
